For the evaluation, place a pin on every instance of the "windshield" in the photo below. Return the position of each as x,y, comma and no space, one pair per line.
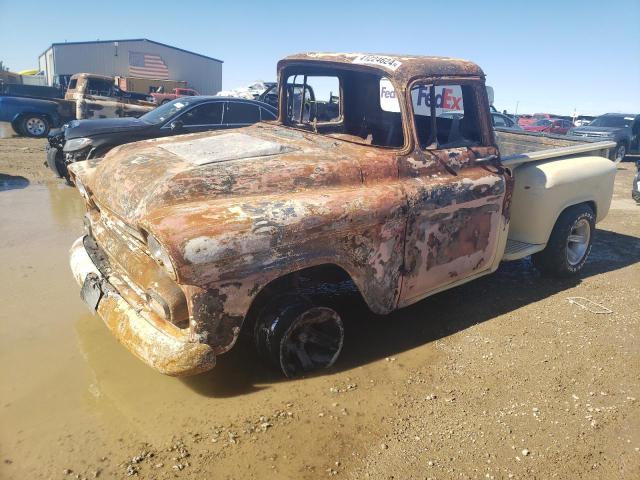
542,123
165,112
612,121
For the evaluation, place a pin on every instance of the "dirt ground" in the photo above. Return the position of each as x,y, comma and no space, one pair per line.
500,378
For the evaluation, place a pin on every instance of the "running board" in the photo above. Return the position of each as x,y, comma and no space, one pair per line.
516,250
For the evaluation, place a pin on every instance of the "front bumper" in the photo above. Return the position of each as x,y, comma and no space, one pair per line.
169,354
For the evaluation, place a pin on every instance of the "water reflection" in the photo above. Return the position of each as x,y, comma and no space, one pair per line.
66,205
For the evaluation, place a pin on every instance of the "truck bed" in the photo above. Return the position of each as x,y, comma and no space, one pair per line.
523,147
551,172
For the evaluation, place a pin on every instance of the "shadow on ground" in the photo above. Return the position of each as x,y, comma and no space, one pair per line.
12,182
371,337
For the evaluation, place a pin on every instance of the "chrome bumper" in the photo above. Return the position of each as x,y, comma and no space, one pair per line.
164,352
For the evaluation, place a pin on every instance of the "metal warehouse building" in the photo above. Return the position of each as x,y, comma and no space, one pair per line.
131,58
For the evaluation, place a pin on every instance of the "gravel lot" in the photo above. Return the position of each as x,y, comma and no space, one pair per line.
500,378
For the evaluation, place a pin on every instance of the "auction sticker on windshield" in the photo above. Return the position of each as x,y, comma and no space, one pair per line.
379,60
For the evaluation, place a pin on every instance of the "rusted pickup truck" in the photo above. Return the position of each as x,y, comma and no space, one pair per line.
97,96
193,240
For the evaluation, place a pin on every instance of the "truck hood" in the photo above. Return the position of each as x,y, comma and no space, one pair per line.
102,126
135,179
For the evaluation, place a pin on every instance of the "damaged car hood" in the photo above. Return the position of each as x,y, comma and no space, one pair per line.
101,126
137,178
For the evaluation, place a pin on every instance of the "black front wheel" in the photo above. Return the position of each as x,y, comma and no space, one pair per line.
299,336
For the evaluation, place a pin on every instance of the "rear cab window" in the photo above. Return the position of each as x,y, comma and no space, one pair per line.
100,87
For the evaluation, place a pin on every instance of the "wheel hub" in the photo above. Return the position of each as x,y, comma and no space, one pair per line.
313,341
578,241
35,126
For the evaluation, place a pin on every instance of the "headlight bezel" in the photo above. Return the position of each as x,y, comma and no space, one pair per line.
76,144
81,188
160,255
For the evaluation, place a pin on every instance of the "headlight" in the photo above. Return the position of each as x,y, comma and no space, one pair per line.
76,144
160,255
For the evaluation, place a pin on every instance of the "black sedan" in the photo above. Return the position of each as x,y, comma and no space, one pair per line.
89,139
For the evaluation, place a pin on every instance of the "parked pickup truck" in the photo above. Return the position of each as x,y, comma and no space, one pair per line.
160,98
193,240
32,117
88,96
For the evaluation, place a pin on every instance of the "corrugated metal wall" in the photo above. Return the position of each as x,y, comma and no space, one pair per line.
203,74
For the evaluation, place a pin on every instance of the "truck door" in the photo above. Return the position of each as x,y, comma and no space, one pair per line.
455,202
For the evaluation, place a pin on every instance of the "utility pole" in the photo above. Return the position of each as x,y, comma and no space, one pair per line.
517,103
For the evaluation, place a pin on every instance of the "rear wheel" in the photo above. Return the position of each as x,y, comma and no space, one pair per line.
569,244
164,101
298,336
35,126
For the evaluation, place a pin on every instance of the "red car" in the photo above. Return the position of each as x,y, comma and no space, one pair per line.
550,125
161,98
526,120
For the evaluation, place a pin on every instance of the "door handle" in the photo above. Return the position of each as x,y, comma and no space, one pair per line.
487,159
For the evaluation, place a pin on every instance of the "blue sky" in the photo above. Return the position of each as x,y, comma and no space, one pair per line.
550,56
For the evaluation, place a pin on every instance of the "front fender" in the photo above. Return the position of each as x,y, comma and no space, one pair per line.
244,243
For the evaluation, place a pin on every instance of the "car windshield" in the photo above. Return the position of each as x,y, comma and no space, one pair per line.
542,123
165,112
612,121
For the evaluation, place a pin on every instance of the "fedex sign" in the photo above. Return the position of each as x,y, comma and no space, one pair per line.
448,98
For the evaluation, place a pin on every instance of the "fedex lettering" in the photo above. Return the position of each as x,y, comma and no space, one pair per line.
447,98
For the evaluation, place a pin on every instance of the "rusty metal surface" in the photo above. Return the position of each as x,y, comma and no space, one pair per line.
400,222
409,66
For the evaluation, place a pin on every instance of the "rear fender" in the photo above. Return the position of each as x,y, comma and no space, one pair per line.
543,190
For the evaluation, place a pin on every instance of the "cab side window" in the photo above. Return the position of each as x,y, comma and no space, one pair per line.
456,118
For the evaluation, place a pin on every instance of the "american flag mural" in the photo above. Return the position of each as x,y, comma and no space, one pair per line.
147,65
